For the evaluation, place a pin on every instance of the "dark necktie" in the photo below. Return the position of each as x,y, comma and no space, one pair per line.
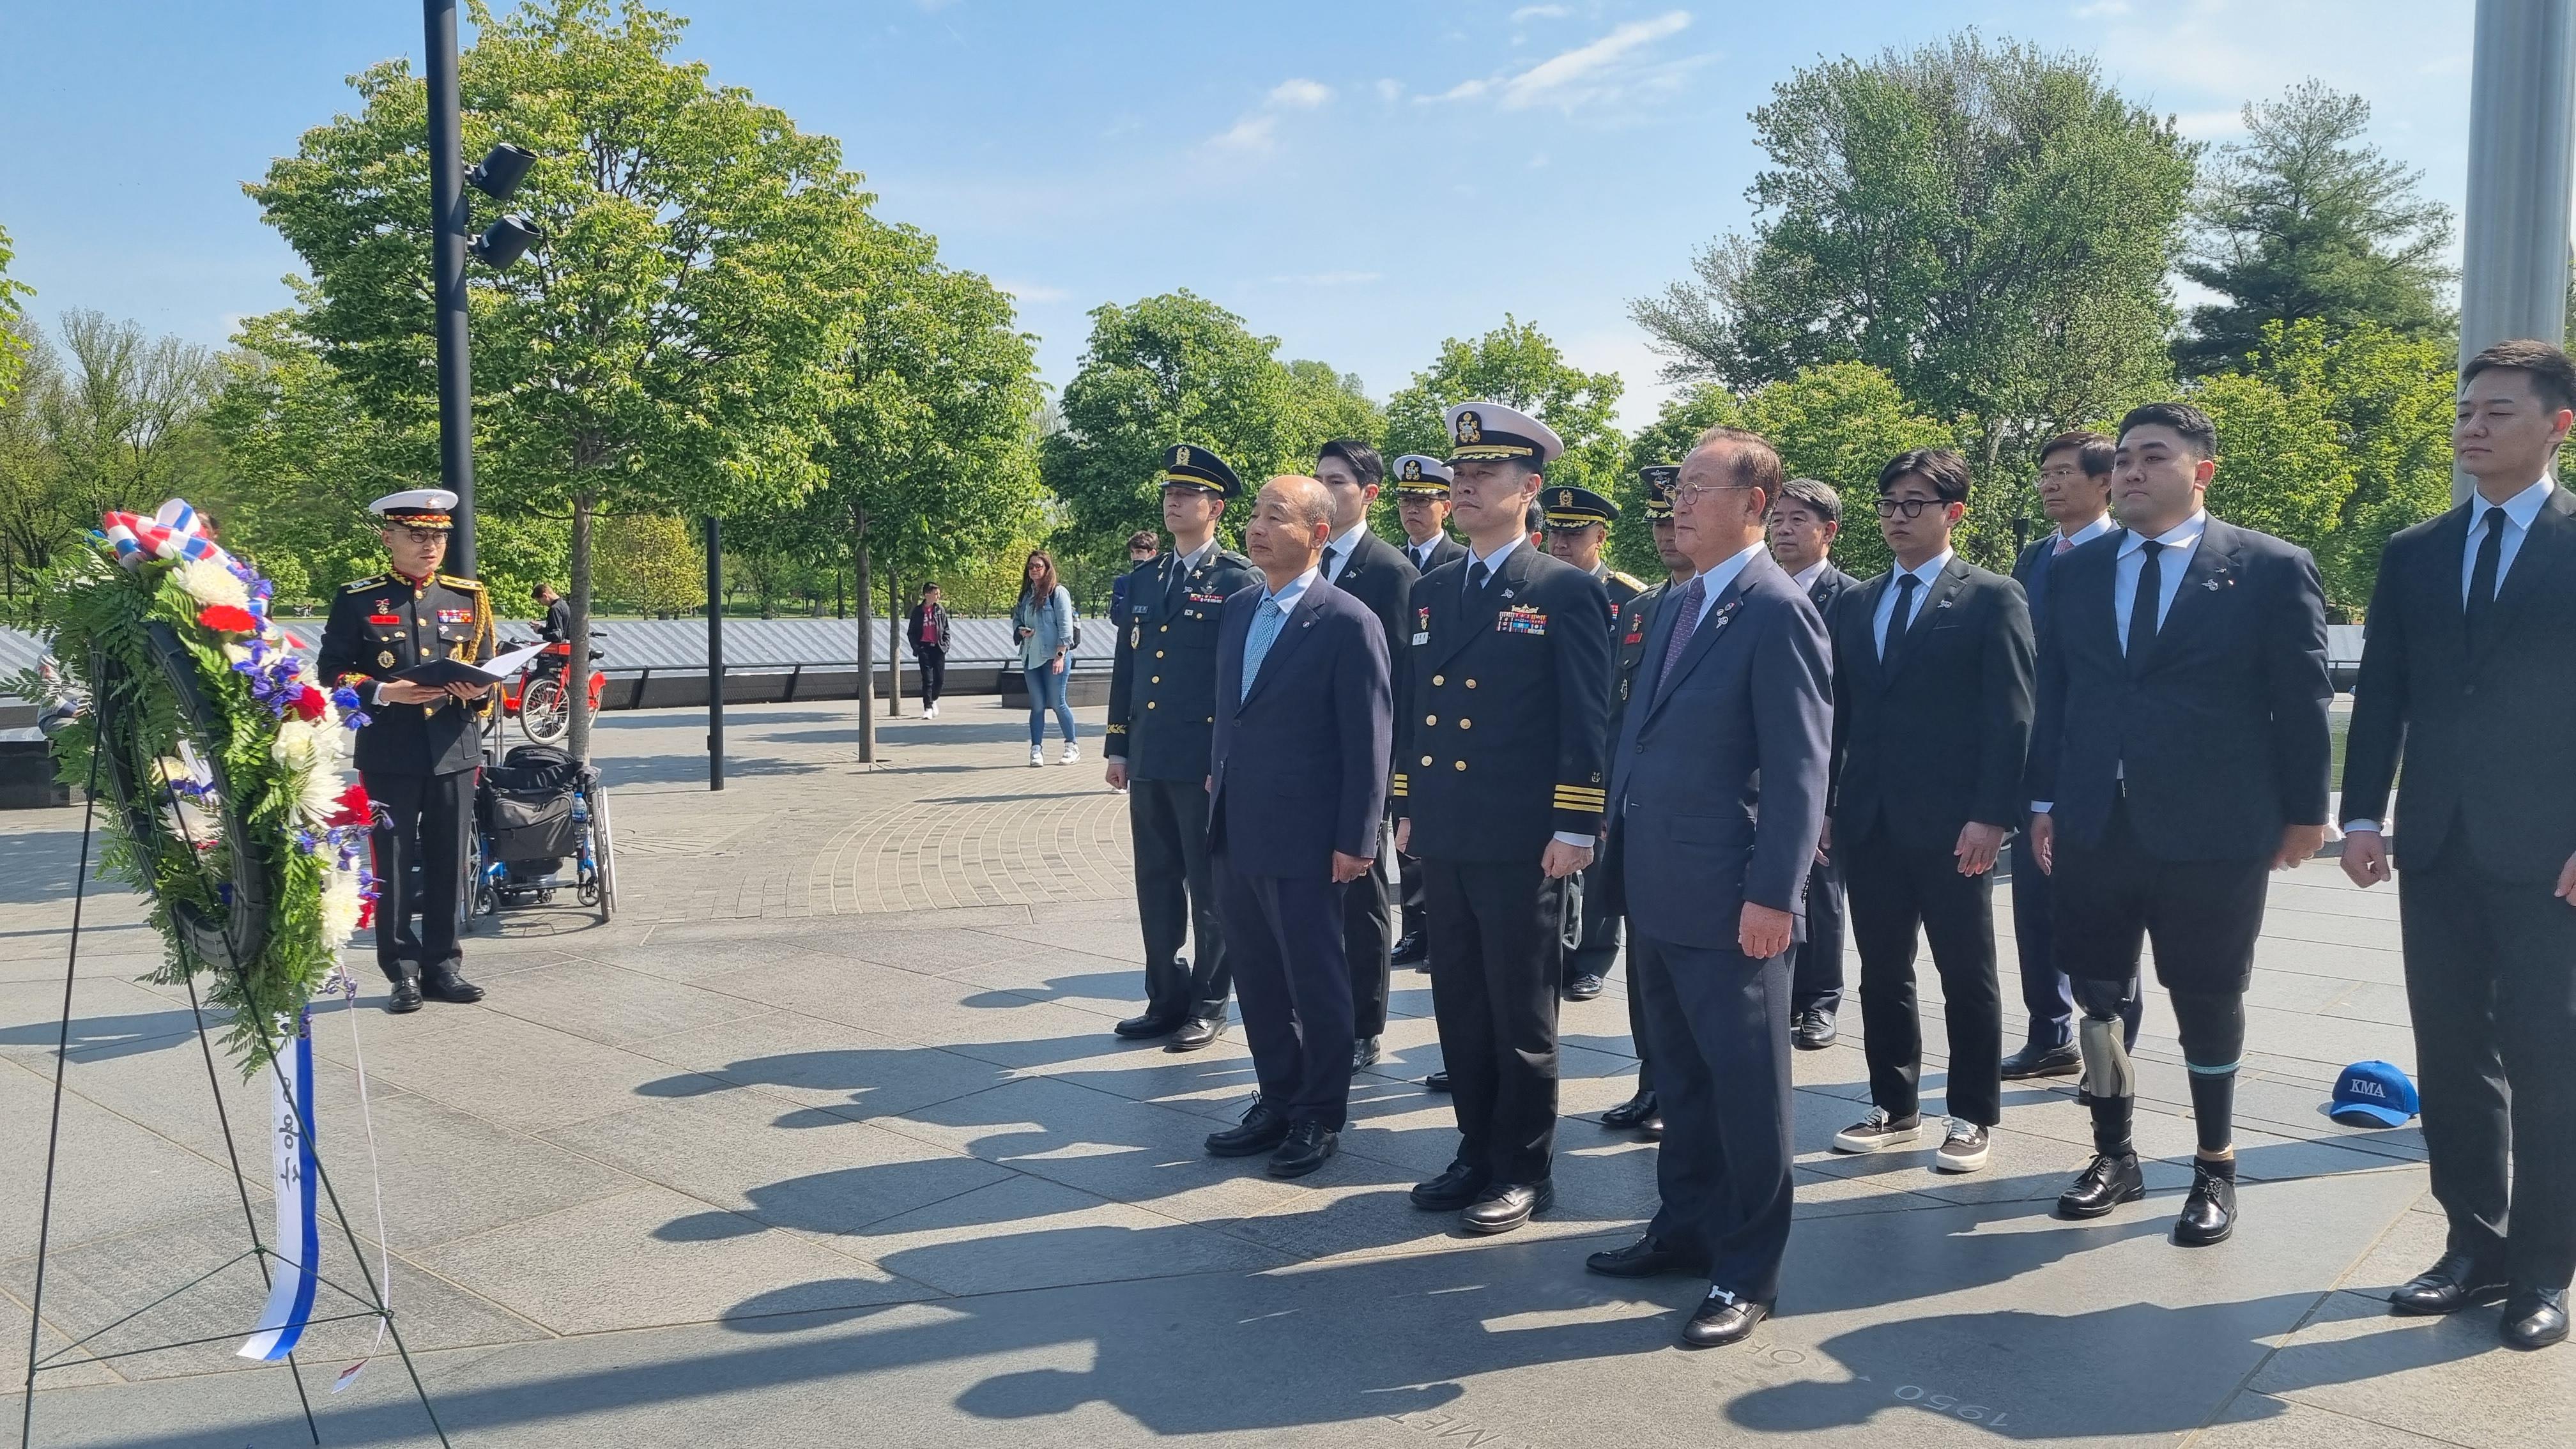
1174,571
1685,623
2482,579
1899,622
1477,575
2143,605
1332,562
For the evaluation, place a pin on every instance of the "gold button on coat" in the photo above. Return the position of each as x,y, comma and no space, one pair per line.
1471,684
1426,759
1465,723
1431,719
1462,764
1436,679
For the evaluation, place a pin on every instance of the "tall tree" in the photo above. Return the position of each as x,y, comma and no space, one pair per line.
13,342
2303,218
1176,368
1988,224
1518,366
668,345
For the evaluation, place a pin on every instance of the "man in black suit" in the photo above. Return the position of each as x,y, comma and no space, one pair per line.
1422,507
1297,803
1805,520
1718,799
1932,686
2179,756
2075,493
2469,672
1500,793
1377,574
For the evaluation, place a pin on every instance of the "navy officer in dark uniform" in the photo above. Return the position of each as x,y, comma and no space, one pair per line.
1422,506
1499,793
1578,523
421,747
1162,720
1629,650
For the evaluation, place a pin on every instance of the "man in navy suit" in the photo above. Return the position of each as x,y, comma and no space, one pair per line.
1297,800
2179,756
2075,493
1717,797
1805,520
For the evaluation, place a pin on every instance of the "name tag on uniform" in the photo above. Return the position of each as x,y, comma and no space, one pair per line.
384,618
1520,619
1422,638
1207,598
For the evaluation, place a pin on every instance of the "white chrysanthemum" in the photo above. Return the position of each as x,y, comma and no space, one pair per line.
298,745
341,905
317,796
210,583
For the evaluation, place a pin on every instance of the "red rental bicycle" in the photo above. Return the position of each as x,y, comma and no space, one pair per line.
541,696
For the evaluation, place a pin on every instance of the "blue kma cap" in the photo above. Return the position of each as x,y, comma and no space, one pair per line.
2373,1094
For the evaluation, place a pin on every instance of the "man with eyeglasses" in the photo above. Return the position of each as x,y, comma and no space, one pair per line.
1932,707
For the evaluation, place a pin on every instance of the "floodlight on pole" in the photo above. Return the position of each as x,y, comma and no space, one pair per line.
501,170
504,241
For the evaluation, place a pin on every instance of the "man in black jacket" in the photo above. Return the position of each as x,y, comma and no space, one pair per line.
1377,574
1932,671
2469,675
2179,755
930,633
1804,522
1422,508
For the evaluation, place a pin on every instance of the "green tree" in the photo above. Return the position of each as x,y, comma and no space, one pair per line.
1332,405
1989,225
1175,368
2305,219
13,342
1839,424
1668,439
652,563
1518,366
669,343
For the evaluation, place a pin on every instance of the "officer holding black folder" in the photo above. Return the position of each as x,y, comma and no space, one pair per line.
422,743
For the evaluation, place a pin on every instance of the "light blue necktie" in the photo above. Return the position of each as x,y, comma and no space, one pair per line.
1256,645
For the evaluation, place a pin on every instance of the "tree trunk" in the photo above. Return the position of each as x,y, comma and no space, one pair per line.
578,685
894,647
867,637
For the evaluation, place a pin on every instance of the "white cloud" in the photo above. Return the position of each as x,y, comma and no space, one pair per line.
1252,133
2102,9
2209,125
1033,292
1326,279
1390,89
1463,91
1301,93
1539,12
1575,74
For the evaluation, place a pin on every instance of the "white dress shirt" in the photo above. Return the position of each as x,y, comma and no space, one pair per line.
1493,563
1805,578
1924,573
1341,548
2089,532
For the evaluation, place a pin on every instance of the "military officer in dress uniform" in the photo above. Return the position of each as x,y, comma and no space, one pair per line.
1578,523
422,744
1162,722
1640,1110
1499,790
1422,505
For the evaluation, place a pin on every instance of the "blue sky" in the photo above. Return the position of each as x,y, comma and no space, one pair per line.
1359,178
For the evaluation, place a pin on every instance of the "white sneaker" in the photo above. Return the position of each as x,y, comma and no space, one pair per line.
1072,753
1964,1149
1037,756
1878,1132
930,711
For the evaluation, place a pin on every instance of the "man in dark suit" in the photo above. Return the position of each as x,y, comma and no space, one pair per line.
1377,574
1718,799
1640,1110
2469,673
1500,793
1422,507
1162,717
1932,686
1805,520
2179,755
2075,493
1297,803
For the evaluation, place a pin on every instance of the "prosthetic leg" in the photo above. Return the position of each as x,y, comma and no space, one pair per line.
2111,1082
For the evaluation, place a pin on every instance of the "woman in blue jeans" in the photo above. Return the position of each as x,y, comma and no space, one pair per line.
1043,623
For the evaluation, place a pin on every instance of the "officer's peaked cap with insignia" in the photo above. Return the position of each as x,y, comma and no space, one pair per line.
1421,476
1188,465
1491,430
433,508
1659,479
1575,507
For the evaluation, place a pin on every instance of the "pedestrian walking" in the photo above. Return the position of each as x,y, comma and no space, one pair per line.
928,631
1042,622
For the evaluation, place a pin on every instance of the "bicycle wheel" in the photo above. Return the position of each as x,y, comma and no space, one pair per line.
603,852
545,711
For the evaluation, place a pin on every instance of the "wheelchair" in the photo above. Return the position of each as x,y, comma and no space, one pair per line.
541,826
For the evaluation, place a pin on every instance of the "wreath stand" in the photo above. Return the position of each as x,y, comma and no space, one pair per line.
193,940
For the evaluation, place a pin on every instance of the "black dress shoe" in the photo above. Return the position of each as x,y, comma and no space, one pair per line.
2104,1184
2535,1317
1308,1144
2209,1214
1411,950
1139,1028
1195,1033
1583,987
1722,1319
1260,1131
2034,1061
1815,1030
1364,1052
1648,1257
2458,1280
1506,1205
1629,1113
444,983
1436,1082
406,996
1652,1129
1455,1187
